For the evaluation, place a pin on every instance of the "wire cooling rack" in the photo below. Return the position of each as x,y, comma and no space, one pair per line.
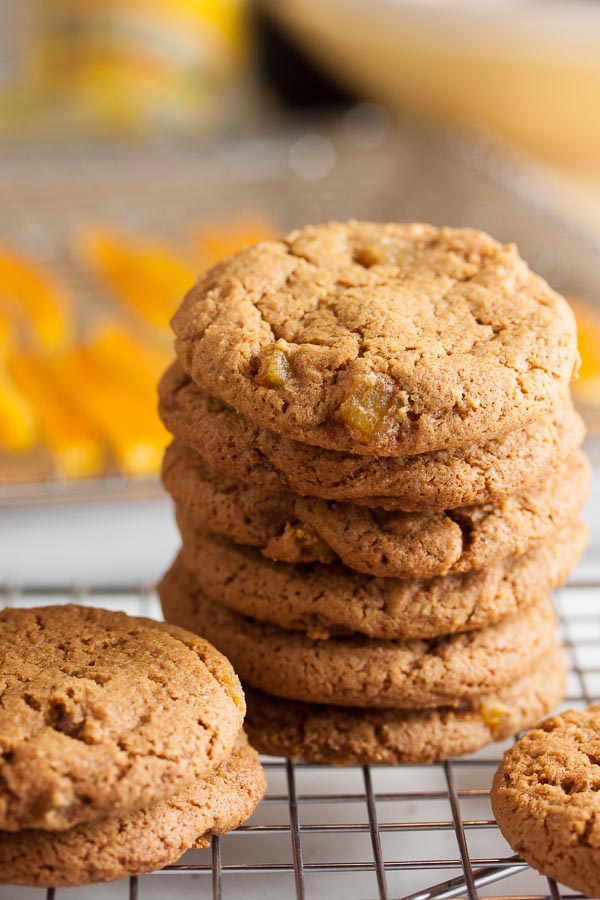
363,832
463,175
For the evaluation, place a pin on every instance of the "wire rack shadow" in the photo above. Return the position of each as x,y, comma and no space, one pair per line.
359,833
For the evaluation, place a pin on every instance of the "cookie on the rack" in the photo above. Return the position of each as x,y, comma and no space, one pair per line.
345,736
444,479
382,339
325,600
384,543
360,671
141,841
103,714
546,798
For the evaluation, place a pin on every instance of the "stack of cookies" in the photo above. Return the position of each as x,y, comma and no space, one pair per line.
377,475
121,746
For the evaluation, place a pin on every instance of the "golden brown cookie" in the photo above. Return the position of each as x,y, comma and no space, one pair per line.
392,544
345,736
546,798
332,600
386,340
360,671
479,473
103,714
141,841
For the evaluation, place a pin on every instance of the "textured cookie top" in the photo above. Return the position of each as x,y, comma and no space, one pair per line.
443,479
379,339
102,714
141,841
546,797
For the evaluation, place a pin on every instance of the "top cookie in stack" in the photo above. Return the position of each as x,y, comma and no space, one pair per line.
383,412
426,350
386,340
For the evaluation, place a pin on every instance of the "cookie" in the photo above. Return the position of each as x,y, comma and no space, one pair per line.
546,798
332,600
141,841
479,473
289,528
385,340
365,672
346,736
103,714
246,514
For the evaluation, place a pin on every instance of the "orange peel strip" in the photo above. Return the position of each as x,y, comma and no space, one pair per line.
36,299
123,411
18,429
143,274
74,444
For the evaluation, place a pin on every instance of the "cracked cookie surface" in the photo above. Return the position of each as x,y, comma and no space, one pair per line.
444,479
392,544
141,841
546,798
347,736
102,714
365,672
385,340
324,600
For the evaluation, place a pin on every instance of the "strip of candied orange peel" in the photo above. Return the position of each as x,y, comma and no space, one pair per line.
7,335
75,445
122,410
18,427
215,240
130,355
588,336
143,273
36,300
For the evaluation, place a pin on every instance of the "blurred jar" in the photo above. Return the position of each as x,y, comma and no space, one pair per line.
126,67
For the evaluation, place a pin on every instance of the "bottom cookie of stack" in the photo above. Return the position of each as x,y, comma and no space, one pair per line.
349,735
141,841
360,700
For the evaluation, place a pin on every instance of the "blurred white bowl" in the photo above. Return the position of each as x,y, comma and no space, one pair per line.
529,68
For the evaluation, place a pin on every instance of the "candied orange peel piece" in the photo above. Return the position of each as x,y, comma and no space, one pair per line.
123,411
216,240
387,253
145,274
588,335
274,367
35,300
587,387
18,425
7,337
126,352
495,715
75,445
373,402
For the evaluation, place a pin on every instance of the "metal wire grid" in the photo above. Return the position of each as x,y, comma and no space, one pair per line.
361,833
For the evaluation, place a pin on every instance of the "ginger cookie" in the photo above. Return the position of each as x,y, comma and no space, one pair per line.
365,672
325,600
546,798
384,543
141,841
387,340
346,736
479,473
103,714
